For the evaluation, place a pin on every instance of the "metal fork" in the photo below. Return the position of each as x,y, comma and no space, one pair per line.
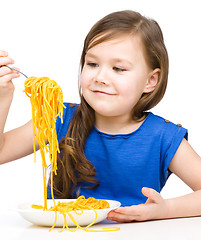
16,70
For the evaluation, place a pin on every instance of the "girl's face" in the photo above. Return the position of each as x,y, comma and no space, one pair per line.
114,76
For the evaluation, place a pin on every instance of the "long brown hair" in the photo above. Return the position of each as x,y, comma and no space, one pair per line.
73,167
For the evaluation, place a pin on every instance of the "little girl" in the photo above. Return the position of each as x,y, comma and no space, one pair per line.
111,146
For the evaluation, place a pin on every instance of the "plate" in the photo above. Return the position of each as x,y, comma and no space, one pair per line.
47,218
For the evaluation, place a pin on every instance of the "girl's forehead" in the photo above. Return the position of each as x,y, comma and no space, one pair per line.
108,37
124,44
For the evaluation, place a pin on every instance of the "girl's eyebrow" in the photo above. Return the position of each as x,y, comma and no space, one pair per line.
88,54
115,60
122,60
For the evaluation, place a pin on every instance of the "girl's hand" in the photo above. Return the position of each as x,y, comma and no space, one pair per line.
6,75
154,208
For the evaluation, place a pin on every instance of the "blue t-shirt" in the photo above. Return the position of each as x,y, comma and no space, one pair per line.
127,162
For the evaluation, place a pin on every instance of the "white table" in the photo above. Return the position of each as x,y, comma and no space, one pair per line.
14,227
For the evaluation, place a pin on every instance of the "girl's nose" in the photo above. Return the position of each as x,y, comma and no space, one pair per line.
101,76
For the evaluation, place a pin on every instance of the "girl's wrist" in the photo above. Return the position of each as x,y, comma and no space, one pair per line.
177,208
6,100
168,203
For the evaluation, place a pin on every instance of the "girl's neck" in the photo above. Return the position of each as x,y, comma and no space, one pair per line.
116,125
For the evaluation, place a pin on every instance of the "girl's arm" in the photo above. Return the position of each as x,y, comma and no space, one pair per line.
18,142
186,164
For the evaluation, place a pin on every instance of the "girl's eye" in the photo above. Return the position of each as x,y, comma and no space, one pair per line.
117,69
91,64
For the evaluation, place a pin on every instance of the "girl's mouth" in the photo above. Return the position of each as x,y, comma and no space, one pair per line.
102,92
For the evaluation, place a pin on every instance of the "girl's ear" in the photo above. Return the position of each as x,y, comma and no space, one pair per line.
152,80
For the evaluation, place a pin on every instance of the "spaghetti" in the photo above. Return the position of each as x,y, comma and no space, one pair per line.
80,204
46,99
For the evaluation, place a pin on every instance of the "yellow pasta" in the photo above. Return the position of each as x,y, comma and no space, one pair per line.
78,206
47,104
46,99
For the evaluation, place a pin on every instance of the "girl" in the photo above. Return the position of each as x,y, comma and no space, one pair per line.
111,146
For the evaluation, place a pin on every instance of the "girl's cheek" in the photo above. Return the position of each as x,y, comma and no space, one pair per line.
82,80
86,79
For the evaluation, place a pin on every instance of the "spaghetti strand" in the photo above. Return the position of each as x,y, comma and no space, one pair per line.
46,99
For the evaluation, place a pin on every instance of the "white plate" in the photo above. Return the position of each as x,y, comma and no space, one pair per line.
47,218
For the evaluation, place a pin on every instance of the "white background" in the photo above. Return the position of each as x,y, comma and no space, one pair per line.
45,37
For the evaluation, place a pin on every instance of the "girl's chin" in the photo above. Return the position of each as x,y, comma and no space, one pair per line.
106,112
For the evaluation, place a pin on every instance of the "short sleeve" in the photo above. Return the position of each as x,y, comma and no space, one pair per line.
171,138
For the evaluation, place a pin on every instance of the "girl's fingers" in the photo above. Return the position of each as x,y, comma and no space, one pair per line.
119,217
7,78
5,70
3,53
125,210
128,214
132,210
6,61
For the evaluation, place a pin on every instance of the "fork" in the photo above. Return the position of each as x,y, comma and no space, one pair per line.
16,70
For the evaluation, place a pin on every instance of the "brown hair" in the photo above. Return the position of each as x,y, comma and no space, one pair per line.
73,167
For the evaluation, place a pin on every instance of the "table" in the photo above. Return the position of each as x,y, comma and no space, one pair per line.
14,227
